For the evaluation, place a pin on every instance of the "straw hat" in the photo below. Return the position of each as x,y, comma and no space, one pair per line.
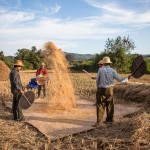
18,63
42,64
100,62
106,60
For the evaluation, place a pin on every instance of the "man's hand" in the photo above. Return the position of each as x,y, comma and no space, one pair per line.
21,91
129,77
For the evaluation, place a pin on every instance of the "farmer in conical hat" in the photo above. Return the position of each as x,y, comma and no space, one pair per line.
17,89
42,72
105,81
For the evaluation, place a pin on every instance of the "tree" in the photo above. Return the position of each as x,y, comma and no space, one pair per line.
31,58
2,57
118,50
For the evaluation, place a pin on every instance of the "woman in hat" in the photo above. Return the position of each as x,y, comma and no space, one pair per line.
42,72
105,81
17,90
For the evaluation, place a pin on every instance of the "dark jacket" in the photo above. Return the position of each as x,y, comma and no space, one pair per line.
15,81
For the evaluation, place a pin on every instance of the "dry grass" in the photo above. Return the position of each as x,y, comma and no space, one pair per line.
61,93
4,71
18,135
130,132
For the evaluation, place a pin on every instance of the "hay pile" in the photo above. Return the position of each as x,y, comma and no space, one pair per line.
4,71
61,93
134,92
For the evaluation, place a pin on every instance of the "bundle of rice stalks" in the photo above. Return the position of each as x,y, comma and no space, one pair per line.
61,93
133,92
4,71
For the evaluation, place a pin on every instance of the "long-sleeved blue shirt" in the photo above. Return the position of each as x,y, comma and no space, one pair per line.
15,81
105,77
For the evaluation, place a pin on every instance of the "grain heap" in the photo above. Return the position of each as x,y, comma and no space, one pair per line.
60,89
4,71
134,92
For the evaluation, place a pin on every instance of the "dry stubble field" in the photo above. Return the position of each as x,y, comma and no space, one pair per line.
130,132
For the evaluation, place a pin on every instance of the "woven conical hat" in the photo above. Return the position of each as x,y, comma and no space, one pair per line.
41,80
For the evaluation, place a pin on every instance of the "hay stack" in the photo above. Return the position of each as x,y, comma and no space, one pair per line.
134,92
4,71
61,93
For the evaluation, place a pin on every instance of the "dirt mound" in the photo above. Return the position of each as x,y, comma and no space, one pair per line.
133,92
61,93
4,71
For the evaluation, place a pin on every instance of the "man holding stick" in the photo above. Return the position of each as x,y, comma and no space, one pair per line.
104,96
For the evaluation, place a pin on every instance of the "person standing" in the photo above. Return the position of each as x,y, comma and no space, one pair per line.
105,81
42,72
16,89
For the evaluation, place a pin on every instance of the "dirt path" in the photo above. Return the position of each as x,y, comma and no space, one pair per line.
61,123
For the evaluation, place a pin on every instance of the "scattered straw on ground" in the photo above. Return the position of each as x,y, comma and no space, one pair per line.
19,135
128,133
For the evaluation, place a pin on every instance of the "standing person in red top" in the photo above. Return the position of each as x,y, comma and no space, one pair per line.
42,71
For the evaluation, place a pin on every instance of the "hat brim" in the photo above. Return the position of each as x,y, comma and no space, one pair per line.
18,65
107,62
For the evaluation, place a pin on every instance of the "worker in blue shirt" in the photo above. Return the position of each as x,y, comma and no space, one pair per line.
105,81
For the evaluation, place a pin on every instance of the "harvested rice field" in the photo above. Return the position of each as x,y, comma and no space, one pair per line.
130,131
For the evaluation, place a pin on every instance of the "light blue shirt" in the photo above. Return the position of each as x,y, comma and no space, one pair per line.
105,77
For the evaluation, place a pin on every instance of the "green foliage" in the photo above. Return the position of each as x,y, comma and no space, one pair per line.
118,50
86,64
148,64
2,57
31,58
9,60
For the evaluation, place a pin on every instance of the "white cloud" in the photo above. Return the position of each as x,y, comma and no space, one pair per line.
113,13
51,10
11,4
55,9
8,17
24,29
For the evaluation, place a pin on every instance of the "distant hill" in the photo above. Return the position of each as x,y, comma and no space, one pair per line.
78,57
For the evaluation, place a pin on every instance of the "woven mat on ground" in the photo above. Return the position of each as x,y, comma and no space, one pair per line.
62,123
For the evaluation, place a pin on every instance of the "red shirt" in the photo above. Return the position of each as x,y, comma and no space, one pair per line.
41,71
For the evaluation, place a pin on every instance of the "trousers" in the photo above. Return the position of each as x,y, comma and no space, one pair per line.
42,88
104,100
17,110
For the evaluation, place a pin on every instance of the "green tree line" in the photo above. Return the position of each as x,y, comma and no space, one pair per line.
119,51
31,58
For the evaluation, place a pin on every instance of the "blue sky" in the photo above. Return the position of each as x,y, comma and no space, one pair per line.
77,26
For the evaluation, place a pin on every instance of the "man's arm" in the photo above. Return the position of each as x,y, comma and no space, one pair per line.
17,81
117,77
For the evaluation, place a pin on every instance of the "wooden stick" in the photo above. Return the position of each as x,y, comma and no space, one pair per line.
86,72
